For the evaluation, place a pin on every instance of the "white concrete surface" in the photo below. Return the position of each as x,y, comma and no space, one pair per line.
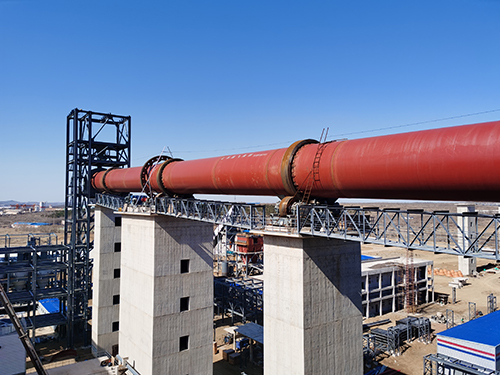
467,265
151,323
92,366
312,314
105,286
12,355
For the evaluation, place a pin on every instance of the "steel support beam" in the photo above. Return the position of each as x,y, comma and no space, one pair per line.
94,141
437,231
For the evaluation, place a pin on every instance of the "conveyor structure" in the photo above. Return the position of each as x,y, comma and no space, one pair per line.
435,231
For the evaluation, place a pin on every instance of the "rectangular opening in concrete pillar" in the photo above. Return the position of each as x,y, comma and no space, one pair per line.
184,304
184,265
312,299
166,298
105,286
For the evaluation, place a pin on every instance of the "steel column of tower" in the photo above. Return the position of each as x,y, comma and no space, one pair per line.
94,141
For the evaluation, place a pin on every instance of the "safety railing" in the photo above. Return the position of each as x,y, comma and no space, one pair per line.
29,239
468,234
242,215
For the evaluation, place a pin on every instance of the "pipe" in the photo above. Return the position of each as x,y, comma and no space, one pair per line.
455,163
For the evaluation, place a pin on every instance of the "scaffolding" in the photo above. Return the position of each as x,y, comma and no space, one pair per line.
409,287
94,141
472,311
32,269
492,303
450,318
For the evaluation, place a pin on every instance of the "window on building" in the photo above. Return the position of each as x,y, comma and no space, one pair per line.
184,343
184,265
116,273
184,304
116,326
118,247
118,221
116,299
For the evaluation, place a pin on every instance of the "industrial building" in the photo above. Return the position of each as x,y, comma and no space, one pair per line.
470,348
382,284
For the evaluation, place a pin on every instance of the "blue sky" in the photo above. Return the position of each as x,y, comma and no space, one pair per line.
209,78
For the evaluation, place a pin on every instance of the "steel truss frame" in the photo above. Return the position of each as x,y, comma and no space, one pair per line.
435,364
239,297
241,215
94,141
435,231
440,232
38,260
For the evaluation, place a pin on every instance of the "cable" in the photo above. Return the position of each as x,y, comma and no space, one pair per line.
414,123
336,136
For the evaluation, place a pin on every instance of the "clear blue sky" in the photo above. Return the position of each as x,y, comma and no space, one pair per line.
208,78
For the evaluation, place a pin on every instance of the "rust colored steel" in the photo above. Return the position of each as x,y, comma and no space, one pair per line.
118,180
455,163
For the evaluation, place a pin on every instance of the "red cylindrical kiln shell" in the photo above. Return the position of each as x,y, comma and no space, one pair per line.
254,173
123,180
456,163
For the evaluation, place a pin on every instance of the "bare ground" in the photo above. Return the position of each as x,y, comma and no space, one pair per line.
410,362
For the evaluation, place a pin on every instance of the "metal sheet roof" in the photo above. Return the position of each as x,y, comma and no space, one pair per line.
484,330
253,331
366,257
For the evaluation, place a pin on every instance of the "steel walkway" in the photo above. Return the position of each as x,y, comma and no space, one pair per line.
469,234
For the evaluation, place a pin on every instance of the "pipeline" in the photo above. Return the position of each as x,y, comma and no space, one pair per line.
458,163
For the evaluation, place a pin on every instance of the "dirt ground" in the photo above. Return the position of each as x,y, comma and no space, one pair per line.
410,362
17,235
222,367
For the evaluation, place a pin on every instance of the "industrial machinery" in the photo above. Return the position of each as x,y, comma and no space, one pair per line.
249,246
455,163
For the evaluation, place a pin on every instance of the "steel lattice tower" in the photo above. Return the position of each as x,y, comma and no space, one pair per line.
94,141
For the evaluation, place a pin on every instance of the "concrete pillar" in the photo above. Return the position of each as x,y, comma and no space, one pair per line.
394,289
105,304
380,293
367,296
312,299
467,264
166,310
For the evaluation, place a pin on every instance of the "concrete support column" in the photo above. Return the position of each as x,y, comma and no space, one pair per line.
312,314
467,264
367,296
380,293
394,289
106,288
166,295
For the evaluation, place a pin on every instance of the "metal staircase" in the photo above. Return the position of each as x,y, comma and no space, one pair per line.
313,176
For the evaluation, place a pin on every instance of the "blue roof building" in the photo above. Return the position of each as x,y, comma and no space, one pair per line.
476,342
